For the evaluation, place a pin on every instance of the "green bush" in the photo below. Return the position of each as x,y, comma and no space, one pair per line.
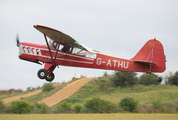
129,104
40,108
147,79
20,107
124,79
48,87
104,83
64,107
157,104
111,89
73,100
97,105
173,80
77,108
2,106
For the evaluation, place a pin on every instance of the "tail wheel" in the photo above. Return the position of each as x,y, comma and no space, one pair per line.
42,73
50,78
159,79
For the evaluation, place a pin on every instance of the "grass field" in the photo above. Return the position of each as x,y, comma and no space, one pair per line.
151,99
89,117
144,94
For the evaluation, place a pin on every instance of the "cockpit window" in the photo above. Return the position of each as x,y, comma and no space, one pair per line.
72,50
82,52
53,44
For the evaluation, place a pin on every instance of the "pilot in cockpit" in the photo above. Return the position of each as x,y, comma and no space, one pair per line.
55,45
64,49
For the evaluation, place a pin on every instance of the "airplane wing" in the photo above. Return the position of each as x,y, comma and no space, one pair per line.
66,39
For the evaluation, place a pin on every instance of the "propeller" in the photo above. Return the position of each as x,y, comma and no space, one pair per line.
17,40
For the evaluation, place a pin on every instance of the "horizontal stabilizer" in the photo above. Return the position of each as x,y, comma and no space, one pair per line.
145,62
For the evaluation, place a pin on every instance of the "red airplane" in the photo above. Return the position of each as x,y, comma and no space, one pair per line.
61,49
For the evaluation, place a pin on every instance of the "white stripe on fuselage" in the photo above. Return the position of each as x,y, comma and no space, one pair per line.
23,50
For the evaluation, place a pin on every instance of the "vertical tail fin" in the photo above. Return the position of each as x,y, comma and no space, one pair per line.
152,54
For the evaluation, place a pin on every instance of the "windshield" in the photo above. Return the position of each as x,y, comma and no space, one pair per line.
53,44
50,42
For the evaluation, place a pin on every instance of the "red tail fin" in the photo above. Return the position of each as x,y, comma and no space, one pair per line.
152,53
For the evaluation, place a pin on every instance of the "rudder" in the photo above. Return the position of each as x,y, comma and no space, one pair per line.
152,53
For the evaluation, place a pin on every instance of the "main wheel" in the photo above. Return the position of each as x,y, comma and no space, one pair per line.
42,73
159,79
50,78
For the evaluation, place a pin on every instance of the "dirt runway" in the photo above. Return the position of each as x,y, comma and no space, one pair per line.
65,92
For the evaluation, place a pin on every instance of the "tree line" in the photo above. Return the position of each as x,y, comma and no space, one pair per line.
128,79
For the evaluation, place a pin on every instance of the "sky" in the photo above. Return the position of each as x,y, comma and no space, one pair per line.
114,27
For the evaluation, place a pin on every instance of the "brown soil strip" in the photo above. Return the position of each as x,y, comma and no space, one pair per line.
7,100
65,92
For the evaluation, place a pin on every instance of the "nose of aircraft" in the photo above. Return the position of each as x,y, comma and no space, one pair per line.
19,45
18,42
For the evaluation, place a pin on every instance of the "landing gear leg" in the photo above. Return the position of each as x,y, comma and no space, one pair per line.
159,79
47,72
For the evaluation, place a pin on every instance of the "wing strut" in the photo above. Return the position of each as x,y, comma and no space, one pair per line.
49,48
50,67
53,60
57,48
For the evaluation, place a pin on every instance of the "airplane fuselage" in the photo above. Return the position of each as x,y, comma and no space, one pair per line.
39,52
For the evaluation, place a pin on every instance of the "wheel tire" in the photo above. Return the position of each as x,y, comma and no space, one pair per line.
42,73
50,78
159,79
